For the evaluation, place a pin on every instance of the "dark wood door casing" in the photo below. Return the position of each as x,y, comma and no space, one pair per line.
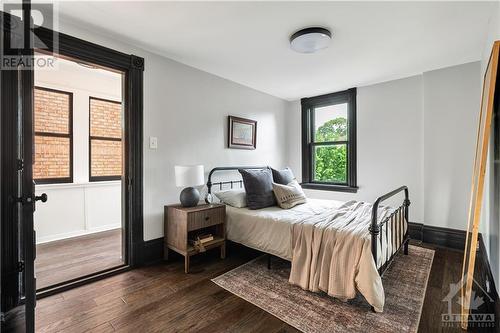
132,68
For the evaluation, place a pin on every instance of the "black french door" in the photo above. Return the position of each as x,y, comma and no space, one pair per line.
17,204
18,197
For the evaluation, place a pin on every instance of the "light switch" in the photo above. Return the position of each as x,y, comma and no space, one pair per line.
153,142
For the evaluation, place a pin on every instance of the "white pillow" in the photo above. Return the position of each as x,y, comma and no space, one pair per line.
236,198
289,195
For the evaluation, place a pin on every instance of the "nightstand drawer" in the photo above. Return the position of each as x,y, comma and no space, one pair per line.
206,218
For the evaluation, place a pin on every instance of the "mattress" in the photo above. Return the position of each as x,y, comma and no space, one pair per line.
270,229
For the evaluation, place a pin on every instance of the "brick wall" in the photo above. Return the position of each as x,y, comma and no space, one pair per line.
105,121
52,154
106,158
52,111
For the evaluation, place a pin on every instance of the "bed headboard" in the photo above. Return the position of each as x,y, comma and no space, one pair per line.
229,182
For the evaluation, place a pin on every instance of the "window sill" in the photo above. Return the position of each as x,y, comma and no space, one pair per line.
330,187
55,186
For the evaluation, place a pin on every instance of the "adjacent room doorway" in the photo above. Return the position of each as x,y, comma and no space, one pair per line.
78,143
93,217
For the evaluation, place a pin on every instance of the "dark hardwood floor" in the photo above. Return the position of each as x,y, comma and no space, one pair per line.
161,298
446,269
70,258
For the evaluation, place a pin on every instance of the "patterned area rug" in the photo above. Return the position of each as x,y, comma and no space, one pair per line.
405,283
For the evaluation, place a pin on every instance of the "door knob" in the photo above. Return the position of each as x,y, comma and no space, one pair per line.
42,198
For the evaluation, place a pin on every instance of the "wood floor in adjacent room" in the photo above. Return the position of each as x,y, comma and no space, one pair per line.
161,298
70,258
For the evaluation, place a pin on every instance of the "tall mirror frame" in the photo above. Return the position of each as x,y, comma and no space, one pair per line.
478,180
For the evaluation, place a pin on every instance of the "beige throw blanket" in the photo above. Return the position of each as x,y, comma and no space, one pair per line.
331,252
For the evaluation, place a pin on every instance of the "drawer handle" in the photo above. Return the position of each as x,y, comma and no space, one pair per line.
207,218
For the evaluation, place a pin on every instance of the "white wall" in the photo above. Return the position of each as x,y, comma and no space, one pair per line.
493,35
77,209
187,109
451,112
407,130
81,207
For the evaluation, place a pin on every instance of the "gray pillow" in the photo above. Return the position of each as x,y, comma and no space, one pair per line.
236,198
259,188
283,176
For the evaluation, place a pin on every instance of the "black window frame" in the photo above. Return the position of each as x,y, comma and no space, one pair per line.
102,138
58,180
308,145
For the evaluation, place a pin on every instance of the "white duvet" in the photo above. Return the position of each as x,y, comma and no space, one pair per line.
271,230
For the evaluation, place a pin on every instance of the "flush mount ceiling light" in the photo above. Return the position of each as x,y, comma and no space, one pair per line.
310,40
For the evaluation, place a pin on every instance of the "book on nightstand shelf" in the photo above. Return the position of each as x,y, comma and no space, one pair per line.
205,238
200,240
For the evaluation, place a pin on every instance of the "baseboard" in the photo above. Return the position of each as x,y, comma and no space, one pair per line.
152,252
153,249
77,233
484,277
416,230
445,237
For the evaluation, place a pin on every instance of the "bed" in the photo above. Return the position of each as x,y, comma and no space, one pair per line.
382,230
269,229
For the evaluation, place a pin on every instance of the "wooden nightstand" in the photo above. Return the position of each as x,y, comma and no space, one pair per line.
182,224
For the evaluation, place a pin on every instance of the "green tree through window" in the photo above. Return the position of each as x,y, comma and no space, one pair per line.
330,162
332,130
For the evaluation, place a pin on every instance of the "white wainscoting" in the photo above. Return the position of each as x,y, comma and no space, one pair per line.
77,209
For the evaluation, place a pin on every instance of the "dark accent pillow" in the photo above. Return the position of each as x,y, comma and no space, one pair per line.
259,188
283,177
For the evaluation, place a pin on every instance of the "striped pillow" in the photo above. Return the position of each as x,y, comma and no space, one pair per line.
289,195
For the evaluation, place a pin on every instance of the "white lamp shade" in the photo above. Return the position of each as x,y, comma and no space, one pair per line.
189,175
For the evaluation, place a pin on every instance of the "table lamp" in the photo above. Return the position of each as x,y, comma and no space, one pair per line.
189,175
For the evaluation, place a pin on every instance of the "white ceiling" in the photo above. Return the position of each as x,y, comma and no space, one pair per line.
70,75
247,42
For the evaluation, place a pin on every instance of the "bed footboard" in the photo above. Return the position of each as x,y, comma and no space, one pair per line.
398,237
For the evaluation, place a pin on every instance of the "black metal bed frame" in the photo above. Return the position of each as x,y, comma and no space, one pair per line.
395,220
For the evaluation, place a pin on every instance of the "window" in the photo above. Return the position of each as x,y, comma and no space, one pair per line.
329,141
53,136
105,140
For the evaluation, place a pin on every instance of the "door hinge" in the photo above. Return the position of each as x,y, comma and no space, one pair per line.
20,266
20,164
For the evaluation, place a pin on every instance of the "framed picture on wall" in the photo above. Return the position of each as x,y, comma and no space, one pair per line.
242,133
